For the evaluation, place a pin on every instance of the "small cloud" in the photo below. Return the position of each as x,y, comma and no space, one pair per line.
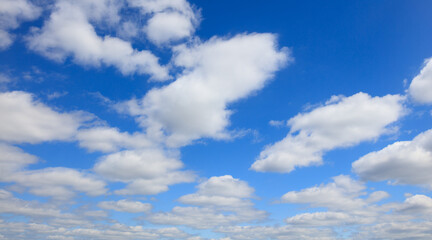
276,123
4,78
56,95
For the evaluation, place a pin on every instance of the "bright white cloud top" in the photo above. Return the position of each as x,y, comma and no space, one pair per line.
185,119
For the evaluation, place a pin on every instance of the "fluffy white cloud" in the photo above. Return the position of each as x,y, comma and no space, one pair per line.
323,219
226,186
171,20
222,200
421,86
166,27
13,159
217,72
12,205
126,206
148,171
24,119
223,192
106,139
350,209
200,218
341,122
416,205
396,230
404,162
59,183
341,194
69,33
12,13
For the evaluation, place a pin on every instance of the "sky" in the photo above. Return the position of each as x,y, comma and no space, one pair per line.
205,120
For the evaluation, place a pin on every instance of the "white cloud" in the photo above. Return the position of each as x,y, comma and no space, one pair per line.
354,213
59,183
126,206
170,20
12,205
275,232
341,122
396,230
323,219
200,218
416,205
12,13
226,186
421,86
341,194
166,27
106,139
217,72
223,192
148,171
69,33
222,200
23,119
13,159
404,162
155,6
33,231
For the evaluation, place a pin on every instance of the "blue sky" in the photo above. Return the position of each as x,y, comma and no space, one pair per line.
229,120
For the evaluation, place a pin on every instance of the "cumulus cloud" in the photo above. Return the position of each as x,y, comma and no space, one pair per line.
59,183
13,159
416,205
403,162
348,205
340,194
421,86
12,13
166,27
25,120
69,33
126,206
107,139
170,20
11,205
222,201
217,72
148,171
341,122
225,192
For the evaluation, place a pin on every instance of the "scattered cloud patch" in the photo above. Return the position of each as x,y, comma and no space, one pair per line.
12,13
147,171
341,122
421,85
217,72
69,33
403,162
126,206
23,119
